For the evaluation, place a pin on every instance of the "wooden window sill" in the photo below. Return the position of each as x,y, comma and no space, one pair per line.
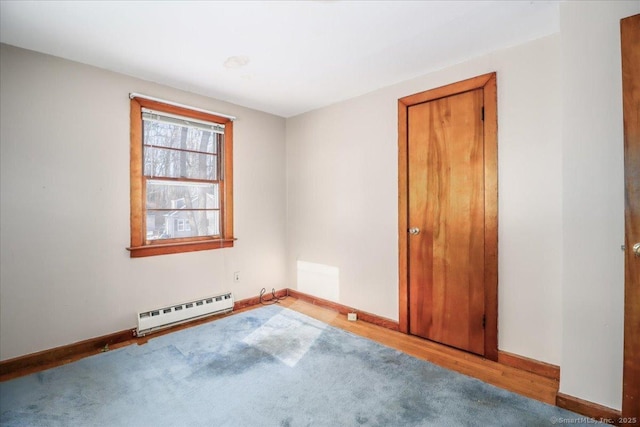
174,248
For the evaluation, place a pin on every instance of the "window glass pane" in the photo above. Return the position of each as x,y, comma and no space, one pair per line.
182,195
179,224
213,223
180,137
179,164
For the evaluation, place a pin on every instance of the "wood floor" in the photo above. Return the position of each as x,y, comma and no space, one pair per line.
508,378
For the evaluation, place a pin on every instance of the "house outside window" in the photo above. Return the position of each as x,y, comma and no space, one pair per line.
181,179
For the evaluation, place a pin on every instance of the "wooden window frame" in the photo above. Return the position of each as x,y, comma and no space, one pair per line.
140,246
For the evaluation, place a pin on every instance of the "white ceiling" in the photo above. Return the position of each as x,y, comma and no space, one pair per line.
302,55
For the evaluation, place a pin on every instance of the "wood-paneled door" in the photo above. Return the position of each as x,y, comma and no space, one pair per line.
630,40
448,211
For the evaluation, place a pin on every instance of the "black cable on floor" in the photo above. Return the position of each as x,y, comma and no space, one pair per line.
274,299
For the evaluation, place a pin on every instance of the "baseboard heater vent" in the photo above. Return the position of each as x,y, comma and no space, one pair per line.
153,320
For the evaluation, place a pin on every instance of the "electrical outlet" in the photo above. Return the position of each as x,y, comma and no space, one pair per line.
352,316
236,276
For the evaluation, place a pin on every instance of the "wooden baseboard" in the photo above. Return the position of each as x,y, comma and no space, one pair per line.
34,362
45,359
543,369
343,309
547,370
509,359
250,302
598,412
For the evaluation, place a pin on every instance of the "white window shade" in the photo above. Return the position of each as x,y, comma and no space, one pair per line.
162,117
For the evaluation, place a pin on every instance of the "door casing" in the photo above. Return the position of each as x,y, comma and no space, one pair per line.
486,82
630,43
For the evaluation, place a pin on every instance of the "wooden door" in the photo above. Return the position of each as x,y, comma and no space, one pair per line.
448,215
630,39
446,210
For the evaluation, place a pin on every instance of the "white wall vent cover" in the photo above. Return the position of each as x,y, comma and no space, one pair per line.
153,320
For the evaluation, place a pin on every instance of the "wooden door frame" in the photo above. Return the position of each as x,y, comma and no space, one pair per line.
486,82
631,100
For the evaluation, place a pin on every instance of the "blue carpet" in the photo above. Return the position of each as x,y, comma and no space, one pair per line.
265,367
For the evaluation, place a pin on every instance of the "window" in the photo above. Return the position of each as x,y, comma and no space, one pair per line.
183,225
181,179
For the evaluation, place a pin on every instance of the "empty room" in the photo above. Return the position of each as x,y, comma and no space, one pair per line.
319,213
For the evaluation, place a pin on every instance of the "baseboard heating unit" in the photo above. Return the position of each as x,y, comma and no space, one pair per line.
153,320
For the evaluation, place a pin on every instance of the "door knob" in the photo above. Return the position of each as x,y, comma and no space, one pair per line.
415,231
636,249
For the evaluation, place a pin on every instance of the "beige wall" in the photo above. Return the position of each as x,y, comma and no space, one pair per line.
342,194
593,200
64,216
561,271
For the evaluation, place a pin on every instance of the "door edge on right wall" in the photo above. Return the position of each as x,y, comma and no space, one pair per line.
486,82
630,55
